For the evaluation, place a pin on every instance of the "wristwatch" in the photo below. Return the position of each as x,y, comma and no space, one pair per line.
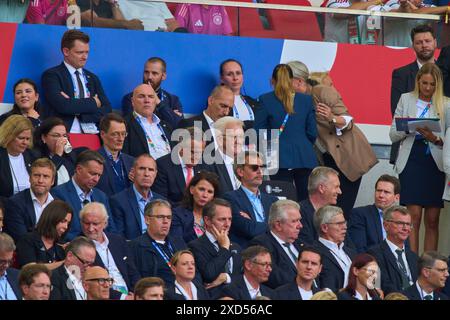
333,121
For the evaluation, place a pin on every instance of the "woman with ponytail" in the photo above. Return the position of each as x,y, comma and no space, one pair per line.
291,117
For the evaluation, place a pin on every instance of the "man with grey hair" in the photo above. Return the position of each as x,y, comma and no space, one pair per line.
323,189
250,205
282,241
398,264
331,226
301,74
112,250
153,250
9,277
433,273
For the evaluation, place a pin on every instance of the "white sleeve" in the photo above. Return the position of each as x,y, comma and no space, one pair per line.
347,119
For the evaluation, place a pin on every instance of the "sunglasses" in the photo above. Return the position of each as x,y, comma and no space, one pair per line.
255,167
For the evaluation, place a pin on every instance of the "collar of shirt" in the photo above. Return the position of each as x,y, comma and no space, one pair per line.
81,193
253,291
47,201
102,245
72,69
305,294
331,245
281,242
155,119
360,297
393,247
211,238
139,196
422,292
3,276
110,156
226,159
208,119
250,194
181,290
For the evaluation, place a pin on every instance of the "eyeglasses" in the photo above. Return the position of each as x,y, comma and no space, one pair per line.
161,217
84,262
339,223
263,264
6,262
102,281
57,135
119,134
401,223
440,270
42,286
255,167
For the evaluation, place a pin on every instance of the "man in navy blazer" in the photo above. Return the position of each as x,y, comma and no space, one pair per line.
113,132
366,223
444,64
128,206
282,241
153,250
146,132
216,257
404,78
81,190
9,277
256,263
336,255
112,250
309,265
24,209
433,273
250,205
396,274
323,190
73,93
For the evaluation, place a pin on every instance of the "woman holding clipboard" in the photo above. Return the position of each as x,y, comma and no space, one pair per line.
419,162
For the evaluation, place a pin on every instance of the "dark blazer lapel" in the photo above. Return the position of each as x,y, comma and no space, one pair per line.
412,263
208,245
67,80
134,206
107,169
65,277
243,288
179,176
375,216
235,255
328,254
282,253
139,132
266,203
390,257
30,207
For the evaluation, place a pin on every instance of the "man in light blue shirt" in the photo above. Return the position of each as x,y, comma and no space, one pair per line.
9,286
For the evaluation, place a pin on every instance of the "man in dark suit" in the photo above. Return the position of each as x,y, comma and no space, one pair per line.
146,132
220,104
366,223
153,250
398,264
336,255
433,273
113,132
112,250
24,209
250,205
67,279
168,106
282,241
323,190
9,277
175,170
73,93
309,265
81,189
444,64
256,263
128,206
217,258
404,78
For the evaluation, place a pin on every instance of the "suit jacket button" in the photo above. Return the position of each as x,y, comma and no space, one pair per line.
337,146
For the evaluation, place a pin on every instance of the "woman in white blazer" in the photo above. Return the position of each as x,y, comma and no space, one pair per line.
420,160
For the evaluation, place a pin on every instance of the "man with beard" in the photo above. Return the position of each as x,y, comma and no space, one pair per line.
168,106
403,79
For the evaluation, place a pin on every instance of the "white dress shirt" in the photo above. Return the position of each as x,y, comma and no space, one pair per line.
254,292
393,247
180,290
19,173
76,128
160,146
77,285
306,294
294,250
38,208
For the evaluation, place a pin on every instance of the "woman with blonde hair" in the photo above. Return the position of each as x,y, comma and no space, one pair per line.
15,154
420,159
291,115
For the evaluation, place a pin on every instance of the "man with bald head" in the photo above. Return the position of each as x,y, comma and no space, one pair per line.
96,283
147,133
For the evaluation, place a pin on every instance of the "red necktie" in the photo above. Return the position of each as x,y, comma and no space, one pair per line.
190,174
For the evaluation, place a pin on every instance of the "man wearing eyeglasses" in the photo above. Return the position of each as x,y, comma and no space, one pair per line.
398,264
9,286
257,266
433,273
115,177
34,281
67,279
336,255
250,205
153,250
97,283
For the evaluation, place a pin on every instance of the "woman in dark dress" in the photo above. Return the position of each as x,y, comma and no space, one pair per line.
43,245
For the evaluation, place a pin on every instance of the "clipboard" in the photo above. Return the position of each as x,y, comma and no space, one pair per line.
411,124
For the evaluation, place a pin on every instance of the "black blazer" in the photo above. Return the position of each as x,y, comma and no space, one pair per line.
20,217
391,280
202,293
243,229
332,276
308,234
7,186
413,294
107,183
365,229
283,270
238,290
136,143
57,79
183,224
403,80
444,64
59,280
186,123
219,168
12,276
30,248
289,291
